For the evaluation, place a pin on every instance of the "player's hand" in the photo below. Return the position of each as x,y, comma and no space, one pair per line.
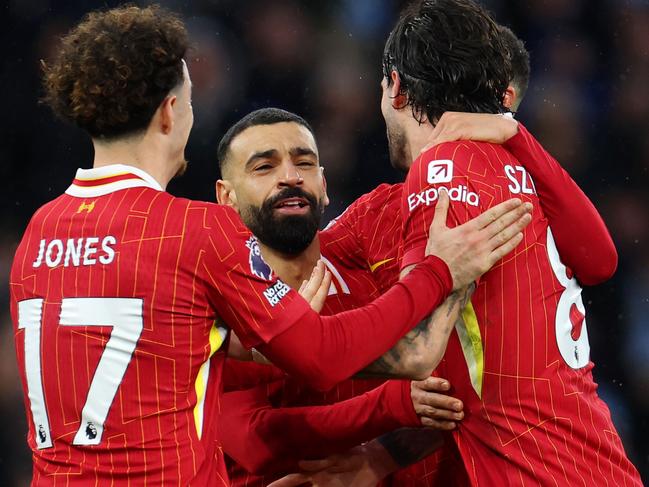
482,127
316,289
473,248
432,404
362,466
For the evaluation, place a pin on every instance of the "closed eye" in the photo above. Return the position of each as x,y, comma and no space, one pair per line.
263,167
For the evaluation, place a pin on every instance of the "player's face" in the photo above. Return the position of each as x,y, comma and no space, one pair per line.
277,184
397,142
184,120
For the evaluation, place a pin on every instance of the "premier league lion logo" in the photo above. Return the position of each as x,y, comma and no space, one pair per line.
257,264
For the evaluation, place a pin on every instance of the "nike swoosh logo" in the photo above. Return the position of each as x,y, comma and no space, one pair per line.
375,266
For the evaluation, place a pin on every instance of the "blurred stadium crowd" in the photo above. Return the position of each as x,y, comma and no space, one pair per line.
588,103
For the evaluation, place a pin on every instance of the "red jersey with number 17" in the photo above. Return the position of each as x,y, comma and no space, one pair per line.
520,360
116,287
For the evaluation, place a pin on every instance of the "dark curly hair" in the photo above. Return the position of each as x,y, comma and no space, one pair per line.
449,55
114,69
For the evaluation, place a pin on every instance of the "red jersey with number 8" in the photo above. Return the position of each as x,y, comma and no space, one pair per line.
520,360
116,289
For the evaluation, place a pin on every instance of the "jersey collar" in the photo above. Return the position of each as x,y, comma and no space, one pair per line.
103,180
338,284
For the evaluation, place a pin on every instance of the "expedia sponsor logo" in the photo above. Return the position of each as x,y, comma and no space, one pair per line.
440,171
429,196
257,263
276,292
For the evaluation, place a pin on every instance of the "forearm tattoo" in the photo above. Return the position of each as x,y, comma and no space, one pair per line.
429,336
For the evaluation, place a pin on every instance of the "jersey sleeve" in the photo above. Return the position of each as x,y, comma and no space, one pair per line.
582,238
241,285
447,167
266,440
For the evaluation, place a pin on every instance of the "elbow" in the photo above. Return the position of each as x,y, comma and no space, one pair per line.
603,271
420,366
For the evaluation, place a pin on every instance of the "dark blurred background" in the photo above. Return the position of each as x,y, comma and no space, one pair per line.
588,102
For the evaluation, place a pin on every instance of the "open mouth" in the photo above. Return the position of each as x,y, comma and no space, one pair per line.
292,205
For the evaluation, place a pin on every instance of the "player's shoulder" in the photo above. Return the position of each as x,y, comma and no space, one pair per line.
457,150
365,205
439,163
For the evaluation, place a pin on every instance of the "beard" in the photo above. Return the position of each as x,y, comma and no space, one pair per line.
398,148
290,234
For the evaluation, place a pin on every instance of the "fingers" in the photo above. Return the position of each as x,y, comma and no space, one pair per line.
322,292
291,480
506,248
510,231
315,290
508,220
317,465
302,287
492,214
438,425
441,211
433,384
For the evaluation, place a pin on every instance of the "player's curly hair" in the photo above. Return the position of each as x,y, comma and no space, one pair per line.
114,69
449,55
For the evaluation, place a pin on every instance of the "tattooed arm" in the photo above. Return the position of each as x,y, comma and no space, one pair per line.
417,354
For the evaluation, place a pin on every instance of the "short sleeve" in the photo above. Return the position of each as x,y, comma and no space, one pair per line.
240,285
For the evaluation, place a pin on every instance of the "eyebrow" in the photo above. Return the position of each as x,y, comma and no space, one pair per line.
270,153
302,151
267,154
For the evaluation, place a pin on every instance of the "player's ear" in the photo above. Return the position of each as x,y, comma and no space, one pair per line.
225,194
165,113
510,97
399,99
325,198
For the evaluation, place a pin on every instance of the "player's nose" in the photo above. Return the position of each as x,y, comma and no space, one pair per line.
290,176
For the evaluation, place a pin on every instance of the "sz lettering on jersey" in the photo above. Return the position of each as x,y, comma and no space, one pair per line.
429,196
276,292
76,251
440,171
521,181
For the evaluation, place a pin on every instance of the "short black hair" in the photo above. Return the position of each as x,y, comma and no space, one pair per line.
450,56
519,58
263,116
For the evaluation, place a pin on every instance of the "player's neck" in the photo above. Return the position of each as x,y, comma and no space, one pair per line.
137,152
417,137
292,269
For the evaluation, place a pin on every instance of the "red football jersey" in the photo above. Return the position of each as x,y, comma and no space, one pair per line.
368,235
350,288
116,293
520,360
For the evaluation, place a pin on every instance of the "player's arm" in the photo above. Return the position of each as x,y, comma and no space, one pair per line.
582,238
504,235
324,350
266,440
366,465
421,349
